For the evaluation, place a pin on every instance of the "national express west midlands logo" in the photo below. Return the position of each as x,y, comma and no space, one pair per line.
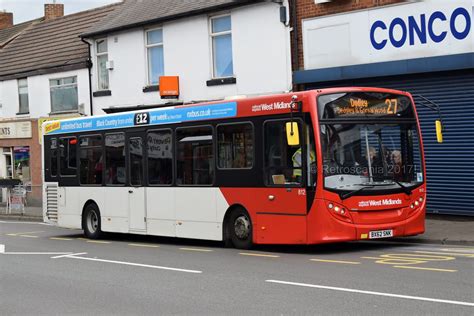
435,26
384,202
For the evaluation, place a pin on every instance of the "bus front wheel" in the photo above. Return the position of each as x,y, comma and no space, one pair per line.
240,229
91,222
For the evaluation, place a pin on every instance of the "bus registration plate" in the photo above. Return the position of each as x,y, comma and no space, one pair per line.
381,234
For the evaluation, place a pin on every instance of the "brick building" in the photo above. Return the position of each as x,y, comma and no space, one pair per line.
424,47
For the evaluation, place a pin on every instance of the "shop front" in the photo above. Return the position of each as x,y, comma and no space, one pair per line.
425,48
20,158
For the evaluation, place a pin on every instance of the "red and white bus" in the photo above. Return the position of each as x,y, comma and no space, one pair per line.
303,168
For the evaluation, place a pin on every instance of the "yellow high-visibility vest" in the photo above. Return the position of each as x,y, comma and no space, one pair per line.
297,161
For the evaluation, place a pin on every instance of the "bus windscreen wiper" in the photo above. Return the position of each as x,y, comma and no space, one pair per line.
349,194
405,189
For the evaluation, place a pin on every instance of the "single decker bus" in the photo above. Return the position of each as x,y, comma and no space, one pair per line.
309,167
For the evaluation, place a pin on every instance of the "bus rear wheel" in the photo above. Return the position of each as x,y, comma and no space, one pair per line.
240,229
91,222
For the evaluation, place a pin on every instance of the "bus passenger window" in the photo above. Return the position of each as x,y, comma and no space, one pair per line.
91,161
115,159
54,157
160,157
283,163
235,146
195,156
68,156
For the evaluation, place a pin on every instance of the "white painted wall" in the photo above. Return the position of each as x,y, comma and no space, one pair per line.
261,56
344,39
39,94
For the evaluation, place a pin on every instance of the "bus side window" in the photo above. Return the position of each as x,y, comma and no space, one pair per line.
115,173
160,157
54,157
68,156
195,156
235,146
91,160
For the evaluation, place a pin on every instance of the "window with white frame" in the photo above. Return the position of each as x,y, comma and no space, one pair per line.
221,38
23,96
63,94
155,57
102,57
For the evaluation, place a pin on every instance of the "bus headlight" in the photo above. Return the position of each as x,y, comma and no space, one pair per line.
340,212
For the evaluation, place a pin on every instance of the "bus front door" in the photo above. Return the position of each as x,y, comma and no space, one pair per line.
136,190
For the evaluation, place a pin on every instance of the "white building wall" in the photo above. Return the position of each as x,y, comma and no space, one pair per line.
39,97
261,59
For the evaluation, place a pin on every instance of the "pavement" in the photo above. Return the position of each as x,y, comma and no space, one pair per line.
440,229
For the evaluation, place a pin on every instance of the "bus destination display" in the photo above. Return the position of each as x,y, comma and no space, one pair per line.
357,105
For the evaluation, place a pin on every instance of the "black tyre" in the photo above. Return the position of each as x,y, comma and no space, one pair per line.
91,222
240,229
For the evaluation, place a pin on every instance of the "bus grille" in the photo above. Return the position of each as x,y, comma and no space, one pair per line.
52,203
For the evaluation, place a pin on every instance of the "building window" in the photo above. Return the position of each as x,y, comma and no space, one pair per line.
160,157
194,156
23,96
64,94
155,57
102,58
221,37
235,146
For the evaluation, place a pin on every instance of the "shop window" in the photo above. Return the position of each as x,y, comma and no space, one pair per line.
91,159
195,156
160,157
64,94
235,146
21,158
68,156
115,159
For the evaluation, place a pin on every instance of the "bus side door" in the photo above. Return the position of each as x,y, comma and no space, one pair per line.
136,189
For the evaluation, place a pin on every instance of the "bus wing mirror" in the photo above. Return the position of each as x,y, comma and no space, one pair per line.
292,134
439,131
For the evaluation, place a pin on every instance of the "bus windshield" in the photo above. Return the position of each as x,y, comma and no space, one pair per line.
376,156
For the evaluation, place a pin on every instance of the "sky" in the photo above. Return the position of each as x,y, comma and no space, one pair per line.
25,10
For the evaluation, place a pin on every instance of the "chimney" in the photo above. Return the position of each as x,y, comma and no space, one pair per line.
6,20
53,10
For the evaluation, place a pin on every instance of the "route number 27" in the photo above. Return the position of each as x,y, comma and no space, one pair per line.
392,106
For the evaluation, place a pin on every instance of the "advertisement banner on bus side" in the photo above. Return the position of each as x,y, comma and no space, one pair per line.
152,117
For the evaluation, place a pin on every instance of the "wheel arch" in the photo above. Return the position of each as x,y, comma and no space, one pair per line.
86,204
230,209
